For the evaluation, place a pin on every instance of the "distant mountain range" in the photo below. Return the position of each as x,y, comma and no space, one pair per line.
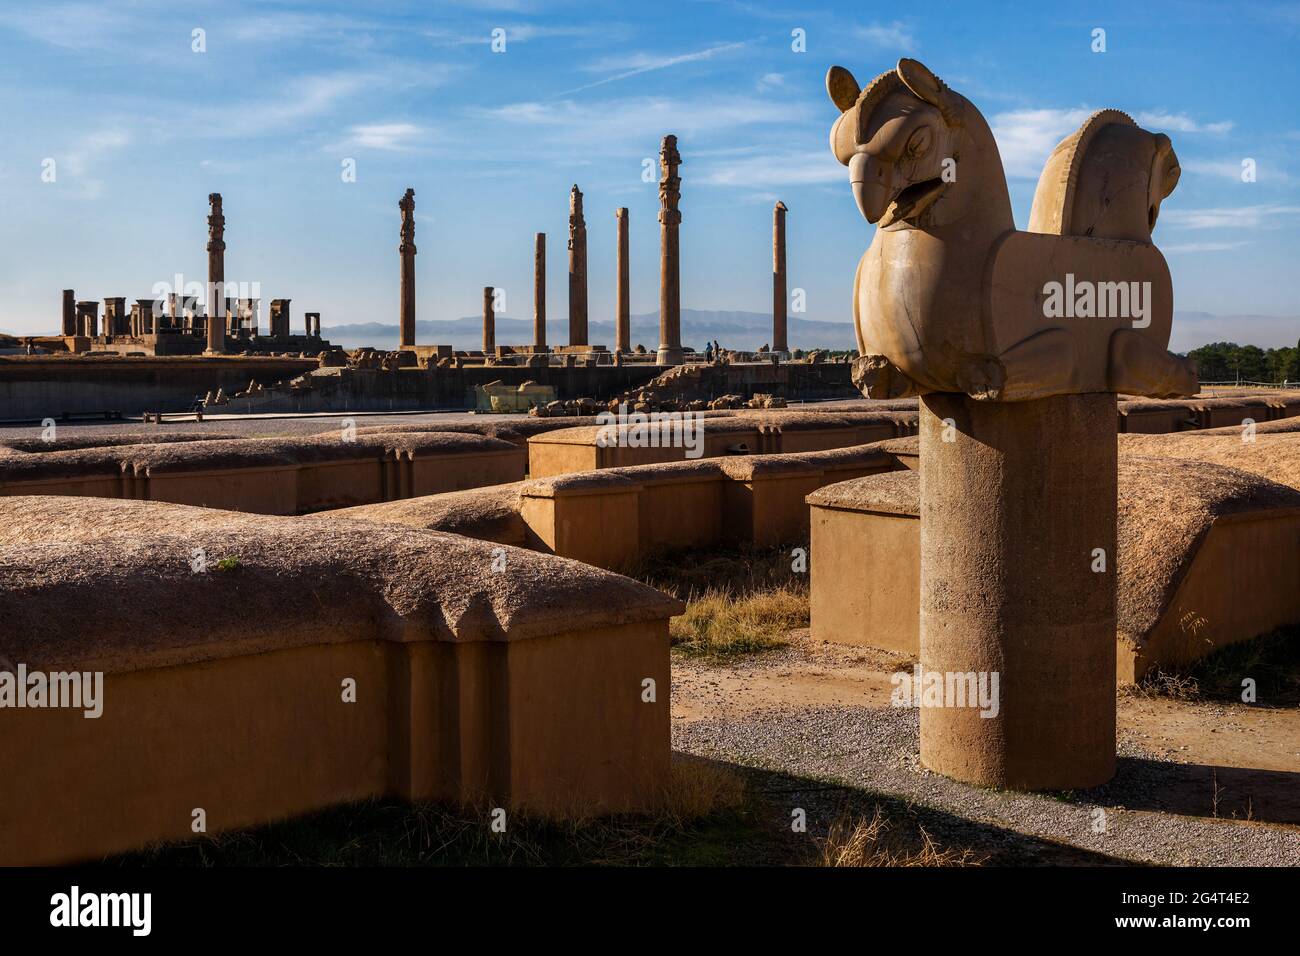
735,330
749,330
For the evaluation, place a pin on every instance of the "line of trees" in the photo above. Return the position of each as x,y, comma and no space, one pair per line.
1230,362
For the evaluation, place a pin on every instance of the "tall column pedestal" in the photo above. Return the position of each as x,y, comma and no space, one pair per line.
1013,506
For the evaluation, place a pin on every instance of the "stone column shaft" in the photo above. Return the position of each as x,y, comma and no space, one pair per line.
69,316
577,270
489,321
670,306
88,318
148,321
1015,499
779,342
216,278
623,295
539,292
407,251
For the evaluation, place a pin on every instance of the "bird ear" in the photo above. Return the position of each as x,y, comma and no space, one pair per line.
842,87
917,77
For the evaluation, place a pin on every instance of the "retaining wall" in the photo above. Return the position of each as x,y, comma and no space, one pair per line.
225,688
1208,556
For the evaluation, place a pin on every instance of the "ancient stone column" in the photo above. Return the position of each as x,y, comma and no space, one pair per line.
623,295
539,293
577,269
1018,500
216,277
148,321
407,251
173,303
489,322
670,305
279,318
88,318
69,312
778,278
114,315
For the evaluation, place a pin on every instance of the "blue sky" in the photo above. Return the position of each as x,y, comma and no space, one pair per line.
142,128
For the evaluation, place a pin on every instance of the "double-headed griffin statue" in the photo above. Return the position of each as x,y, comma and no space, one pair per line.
951,297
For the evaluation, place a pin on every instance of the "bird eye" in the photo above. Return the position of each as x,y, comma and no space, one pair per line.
918,144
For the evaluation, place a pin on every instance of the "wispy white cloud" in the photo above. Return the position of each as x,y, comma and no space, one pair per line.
1180,123
1229,217
636,64
616,123
1231,169
522,33
769,171
290,26
1027,137
515,6
76,167
1193,247
304,97
770,81
892,36
308,98
395,137
72,26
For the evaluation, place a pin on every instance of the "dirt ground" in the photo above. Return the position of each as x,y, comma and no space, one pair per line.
1199,782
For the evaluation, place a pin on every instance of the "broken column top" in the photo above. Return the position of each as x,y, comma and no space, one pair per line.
407,205
670,184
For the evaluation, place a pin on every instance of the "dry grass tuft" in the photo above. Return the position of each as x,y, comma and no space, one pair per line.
858,841
741,600
698,789
717,625
1167,684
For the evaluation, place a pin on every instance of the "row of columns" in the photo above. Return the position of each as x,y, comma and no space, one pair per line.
670,217
670,317
81,318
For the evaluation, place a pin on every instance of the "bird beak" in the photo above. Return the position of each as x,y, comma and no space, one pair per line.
872,183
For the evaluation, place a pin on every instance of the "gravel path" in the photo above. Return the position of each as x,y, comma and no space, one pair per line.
876,749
